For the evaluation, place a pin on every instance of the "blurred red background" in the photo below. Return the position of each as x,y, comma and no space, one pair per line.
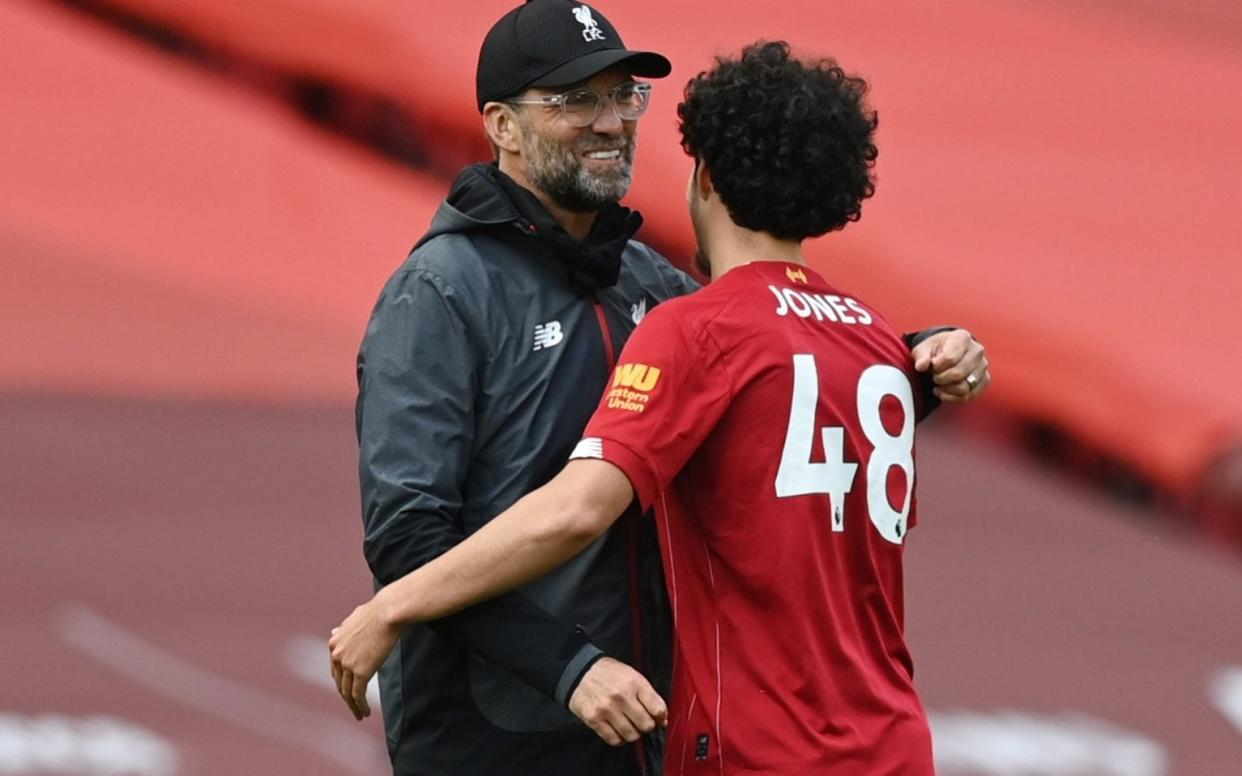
201,201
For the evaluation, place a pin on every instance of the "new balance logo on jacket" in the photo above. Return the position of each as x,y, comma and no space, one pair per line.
548,335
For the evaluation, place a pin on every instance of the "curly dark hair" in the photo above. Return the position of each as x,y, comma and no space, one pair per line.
789,144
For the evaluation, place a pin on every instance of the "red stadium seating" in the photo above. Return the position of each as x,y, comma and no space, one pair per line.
170,236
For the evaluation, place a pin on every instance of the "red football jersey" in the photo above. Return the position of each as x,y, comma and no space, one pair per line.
769,419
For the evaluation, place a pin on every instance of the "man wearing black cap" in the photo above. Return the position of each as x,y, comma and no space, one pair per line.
485,356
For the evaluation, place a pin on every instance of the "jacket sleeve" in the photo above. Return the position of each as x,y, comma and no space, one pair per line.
926,383
417,379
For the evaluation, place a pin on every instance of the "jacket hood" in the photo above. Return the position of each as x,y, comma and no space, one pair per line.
475,201
485,199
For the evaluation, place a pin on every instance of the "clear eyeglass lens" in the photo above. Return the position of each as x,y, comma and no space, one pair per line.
631,101
582,107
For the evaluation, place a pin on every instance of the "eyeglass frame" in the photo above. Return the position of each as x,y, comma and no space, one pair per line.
558,100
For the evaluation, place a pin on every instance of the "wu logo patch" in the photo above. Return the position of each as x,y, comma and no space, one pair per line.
640,377
638,311
795,275
590,27
548,335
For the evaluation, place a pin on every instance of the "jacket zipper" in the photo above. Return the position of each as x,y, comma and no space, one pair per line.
632,533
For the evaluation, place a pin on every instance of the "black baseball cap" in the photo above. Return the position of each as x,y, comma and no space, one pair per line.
554,43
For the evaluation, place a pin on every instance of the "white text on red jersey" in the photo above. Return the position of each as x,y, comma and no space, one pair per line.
821,307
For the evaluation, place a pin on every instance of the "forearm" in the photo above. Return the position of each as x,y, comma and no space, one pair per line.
540,532
508,630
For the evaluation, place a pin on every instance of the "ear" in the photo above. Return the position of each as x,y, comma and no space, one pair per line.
502,127
702,180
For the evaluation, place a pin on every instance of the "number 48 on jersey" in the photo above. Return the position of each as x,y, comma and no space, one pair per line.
798,475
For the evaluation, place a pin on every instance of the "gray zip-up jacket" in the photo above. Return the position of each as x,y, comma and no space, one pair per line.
485,356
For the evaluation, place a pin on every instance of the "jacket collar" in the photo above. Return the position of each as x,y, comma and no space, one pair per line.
484,198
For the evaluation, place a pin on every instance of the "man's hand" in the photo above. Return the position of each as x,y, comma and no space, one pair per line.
957,363
358,646
617,702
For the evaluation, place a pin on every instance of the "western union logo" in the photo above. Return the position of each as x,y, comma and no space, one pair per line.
795,275
640,377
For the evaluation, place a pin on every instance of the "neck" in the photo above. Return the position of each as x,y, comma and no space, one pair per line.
731,246
578,225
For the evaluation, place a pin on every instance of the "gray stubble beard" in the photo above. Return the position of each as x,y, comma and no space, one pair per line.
558,172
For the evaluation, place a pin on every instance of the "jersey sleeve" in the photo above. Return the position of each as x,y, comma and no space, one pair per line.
667,392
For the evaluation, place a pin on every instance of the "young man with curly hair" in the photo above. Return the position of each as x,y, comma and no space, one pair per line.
769,420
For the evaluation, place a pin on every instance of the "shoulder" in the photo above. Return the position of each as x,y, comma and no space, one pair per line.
429,299
878,323
439,277
683,320
447,260
467,268
655,272
698,311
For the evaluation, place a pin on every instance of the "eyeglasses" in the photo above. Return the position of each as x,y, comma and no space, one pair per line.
581,107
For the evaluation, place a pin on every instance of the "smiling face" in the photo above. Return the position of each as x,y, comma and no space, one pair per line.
581,169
